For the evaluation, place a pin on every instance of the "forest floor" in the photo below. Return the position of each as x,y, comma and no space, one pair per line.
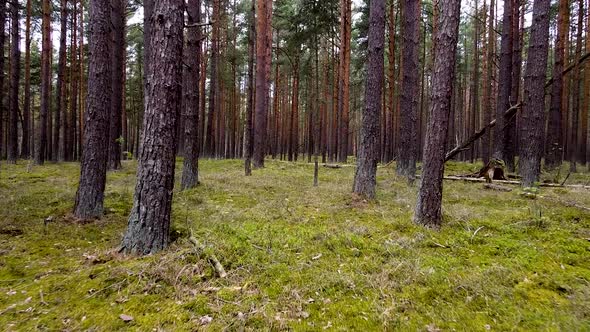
297,257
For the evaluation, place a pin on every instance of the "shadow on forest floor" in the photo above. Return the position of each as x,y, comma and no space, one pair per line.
298,257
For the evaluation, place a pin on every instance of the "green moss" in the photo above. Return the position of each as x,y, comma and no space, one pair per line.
298,257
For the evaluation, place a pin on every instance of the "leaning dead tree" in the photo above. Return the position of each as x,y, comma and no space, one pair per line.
507,116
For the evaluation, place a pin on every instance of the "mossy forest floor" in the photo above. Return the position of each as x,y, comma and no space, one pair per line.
297,257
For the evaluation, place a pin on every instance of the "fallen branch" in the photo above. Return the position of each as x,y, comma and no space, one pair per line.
479,134
334,166
491,186
518,183
569,68
211,257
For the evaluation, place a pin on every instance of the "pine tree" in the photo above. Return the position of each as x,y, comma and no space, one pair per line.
149,221
533,111
90,194
428,208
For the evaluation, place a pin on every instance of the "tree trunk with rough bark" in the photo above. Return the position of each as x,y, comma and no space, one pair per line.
12,154
344,82
90,194
210,147
554,142
61,89
41,150
26,142
575,143
428,207
192,72
406,165
533,111
503,102
365,178
2,41
149,222
118,67
249,130
263,62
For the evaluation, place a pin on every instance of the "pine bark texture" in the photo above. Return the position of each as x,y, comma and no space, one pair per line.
61,102
554,142
12,153
428,208
344,82
365,178
118,68
263,62
192,71
576,94
249,130
41,150
214,82
504,79
533,111
407,155
149,221
2,41
26,142
90,194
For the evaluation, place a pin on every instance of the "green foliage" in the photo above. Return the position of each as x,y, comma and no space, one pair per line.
298,257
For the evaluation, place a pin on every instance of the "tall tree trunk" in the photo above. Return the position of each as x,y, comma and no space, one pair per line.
249,130
90,194
574,144
487,93
554,142
210,147
263,62
365,177
584,121
26,142
74,77
294,121
344,81
533,111
192,72
505,79
390,128
41,151
2,40
60,93
118,68
149,221
12,154
475,80
406,165
428,208
511,125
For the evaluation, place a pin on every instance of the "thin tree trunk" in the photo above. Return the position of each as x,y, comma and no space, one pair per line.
192,72
74,77
60,93
554,143
344,80
428,207
118,67
406,165
366,172
149,221
2,40
533,112
210,146
505,79
90,194
249,130
12,154
26,142
41,151
263,63
576,95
